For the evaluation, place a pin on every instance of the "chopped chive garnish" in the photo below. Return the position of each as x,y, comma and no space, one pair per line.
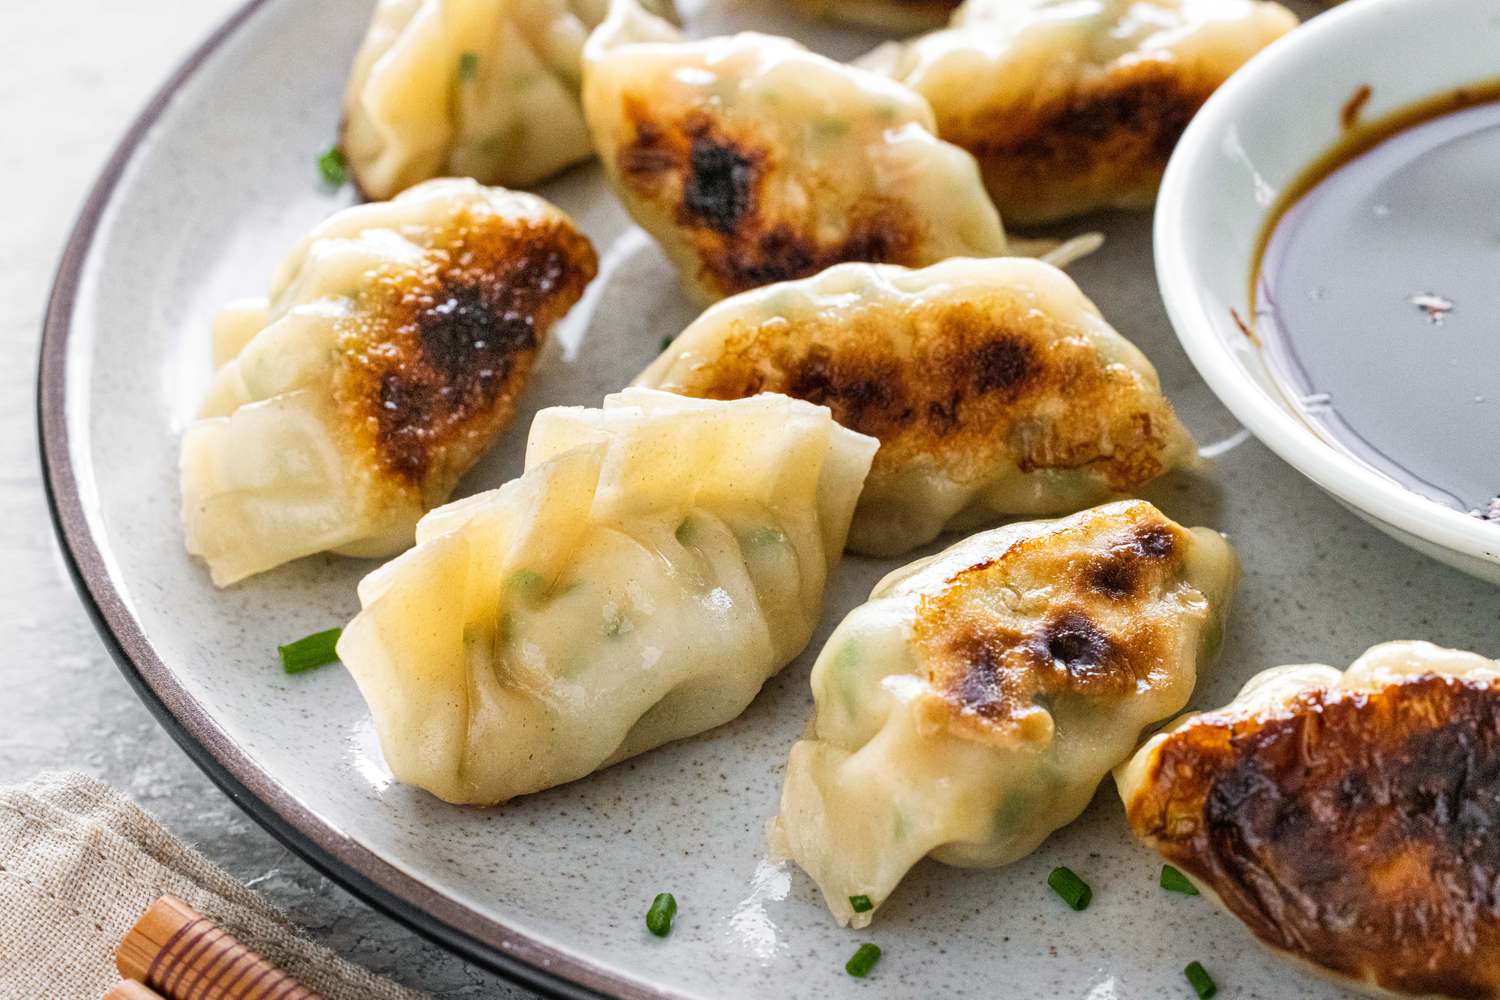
861,904
1173,880
332,167
659,917
310,651
666,342
1074,890
1203,984
863,961
468,65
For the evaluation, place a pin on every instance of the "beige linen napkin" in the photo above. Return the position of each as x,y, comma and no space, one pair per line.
79,863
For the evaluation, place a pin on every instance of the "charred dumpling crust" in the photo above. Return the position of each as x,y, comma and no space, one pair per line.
1351,820
994,387
387,359
973,705
1073,106
753,160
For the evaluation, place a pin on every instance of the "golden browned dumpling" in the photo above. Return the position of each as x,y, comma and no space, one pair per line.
1351,820
752,160
994,386
973,705
1072,105
385,361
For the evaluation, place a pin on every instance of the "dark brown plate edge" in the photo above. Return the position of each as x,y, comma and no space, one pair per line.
495,946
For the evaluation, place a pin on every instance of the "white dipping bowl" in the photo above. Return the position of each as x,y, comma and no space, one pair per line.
1253,139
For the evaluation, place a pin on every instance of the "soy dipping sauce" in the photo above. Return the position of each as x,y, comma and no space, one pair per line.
1377,297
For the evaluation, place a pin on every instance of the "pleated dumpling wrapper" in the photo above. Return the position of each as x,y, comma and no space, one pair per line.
752,160
386,360
994,386
1350,818
973,705
658,561
1073,105
487,89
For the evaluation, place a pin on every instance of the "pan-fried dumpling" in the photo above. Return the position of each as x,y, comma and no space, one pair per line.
975,703
994,387
656,563
1350,819
1072,105
386,360
468,88
752,160
904,16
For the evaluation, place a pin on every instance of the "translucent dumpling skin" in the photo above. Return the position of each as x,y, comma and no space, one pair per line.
1350,818
467,88
1072,105
973,705
385,361
994,386
656,563
752,160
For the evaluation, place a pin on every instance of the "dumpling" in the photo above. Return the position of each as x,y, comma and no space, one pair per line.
656,563
468,88
884,15
994,387
1073,105
1350,819
975,703
752,160
386,360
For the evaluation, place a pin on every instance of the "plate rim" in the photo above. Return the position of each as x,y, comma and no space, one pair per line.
505,950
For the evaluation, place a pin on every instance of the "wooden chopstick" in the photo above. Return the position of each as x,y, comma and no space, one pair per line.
180,954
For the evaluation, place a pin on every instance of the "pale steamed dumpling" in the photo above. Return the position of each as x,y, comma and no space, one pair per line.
385,361
468,88
752,160
994,386
1072,105
1351,819
975,703
659,560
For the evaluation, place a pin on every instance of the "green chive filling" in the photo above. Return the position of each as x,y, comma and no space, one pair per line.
332,168
310,651
861,904
1202,983
863,961
1074,890
468,65
684,532
767,536
1173,880
659,917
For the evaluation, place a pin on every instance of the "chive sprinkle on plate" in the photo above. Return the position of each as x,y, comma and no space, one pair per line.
659,917
332,168
1074,890
861,904
310,651
1173,880
863,961
1203,984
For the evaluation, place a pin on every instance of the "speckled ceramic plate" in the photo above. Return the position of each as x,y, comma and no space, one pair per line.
208,189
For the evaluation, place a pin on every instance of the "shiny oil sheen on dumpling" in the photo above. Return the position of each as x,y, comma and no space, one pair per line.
994,387
469,88
975,703
1072,105
752,160
656,563
387,358
1350,818
884,15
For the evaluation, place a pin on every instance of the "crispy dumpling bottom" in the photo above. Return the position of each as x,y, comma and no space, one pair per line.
1350,819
